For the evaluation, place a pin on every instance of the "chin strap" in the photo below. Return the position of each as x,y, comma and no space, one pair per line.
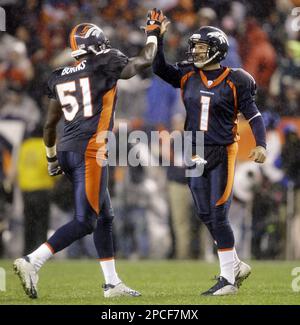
202,64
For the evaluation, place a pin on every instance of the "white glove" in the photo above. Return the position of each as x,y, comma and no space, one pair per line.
198,160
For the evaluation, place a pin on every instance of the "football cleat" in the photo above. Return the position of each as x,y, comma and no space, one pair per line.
241,273
28,276
221,288
118,290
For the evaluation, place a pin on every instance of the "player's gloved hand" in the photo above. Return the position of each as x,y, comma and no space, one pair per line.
198,160
53,166
155,18
258,154
164,26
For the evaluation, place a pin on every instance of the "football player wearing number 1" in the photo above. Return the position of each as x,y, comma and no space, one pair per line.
86,94
213,96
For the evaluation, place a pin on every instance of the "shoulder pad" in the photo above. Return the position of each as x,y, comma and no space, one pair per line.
242,78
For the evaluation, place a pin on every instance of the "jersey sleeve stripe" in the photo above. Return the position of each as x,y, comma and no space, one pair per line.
256,115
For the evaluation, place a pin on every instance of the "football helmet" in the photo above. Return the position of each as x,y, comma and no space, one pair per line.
217,45
87,38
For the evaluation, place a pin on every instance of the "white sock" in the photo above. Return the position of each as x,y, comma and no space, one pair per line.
236,260
226,259
109,271
40,256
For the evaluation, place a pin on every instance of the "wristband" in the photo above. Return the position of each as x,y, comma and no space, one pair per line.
51,151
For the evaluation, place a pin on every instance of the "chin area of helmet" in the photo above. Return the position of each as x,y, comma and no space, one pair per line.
95,49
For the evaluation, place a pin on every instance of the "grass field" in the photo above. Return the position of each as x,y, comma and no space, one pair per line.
160,282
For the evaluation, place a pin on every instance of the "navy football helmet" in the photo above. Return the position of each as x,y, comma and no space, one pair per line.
87,38
217,43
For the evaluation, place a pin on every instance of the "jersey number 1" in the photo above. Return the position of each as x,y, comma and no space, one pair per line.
204,112
66,99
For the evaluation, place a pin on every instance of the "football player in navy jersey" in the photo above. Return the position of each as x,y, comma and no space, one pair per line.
213,96
85,95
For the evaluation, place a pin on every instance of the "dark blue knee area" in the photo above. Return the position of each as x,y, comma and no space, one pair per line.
88,223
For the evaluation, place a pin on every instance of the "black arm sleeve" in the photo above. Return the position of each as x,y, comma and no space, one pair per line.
169,73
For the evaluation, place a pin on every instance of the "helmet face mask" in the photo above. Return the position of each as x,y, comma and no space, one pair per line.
199,53
217,46
87,38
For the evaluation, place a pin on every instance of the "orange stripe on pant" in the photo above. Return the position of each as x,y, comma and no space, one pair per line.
93,170
232,150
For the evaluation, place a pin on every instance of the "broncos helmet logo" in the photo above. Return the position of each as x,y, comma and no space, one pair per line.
94,31
218,35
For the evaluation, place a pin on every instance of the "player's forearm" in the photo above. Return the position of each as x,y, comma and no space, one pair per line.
164,70
159,63
147,55
142,61
259,131
49,135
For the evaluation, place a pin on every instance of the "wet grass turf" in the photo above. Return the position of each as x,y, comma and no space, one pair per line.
160,282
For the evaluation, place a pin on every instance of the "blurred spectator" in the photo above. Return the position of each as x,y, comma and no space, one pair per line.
274,147
232,59
5,188
206,17
258,55
291,155
163,102
286,83
179,198
35,184
267,231
20,106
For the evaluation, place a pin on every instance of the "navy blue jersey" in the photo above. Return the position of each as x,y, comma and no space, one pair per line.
213,99
87,94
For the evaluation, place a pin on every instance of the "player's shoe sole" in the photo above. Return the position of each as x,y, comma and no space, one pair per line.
119,290
242,273
221,288
28,276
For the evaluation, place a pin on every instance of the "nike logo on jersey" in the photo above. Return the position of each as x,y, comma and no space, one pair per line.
78,67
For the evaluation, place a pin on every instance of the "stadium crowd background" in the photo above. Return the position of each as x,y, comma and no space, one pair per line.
154,216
